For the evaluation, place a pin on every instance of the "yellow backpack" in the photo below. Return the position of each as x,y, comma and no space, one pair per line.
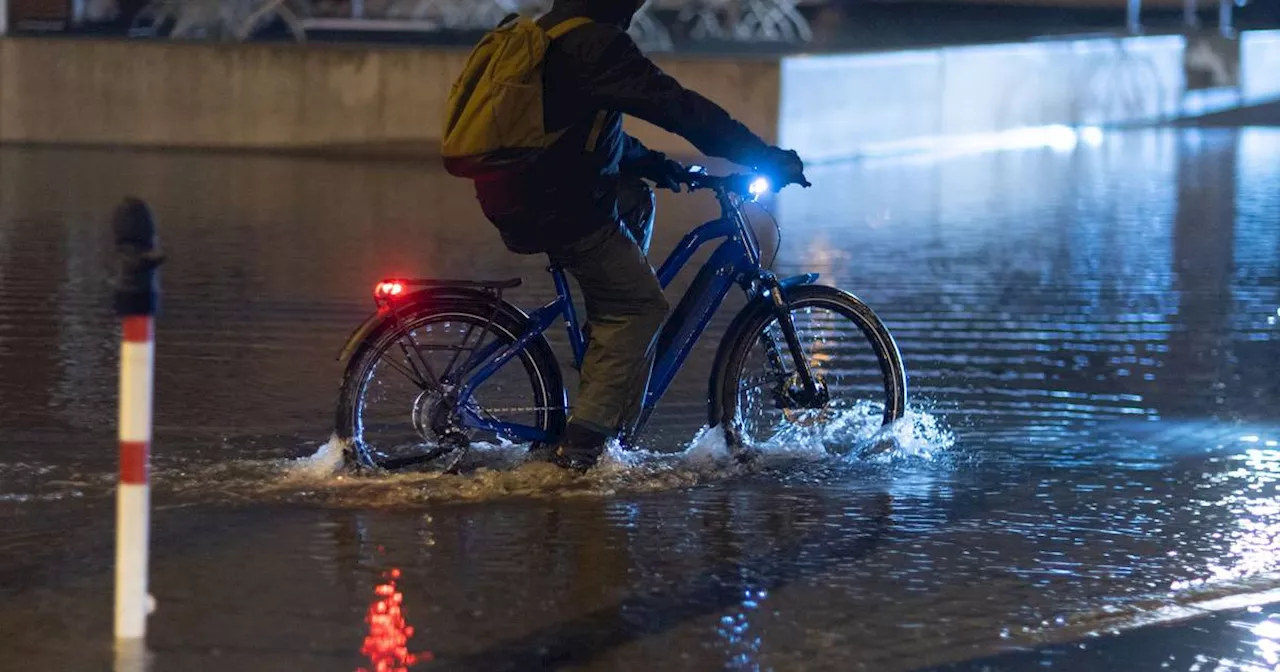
494,114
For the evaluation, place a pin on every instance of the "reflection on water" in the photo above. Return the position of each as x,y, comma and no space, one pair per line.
1268,643
1251,547
387,644
1090,334
1239,640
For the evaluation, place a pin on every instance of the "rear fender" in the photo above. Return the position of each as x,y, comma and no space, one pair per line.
412,303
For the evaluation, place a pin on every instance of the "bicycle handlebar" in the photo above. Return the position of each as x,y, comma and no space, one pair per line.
743,184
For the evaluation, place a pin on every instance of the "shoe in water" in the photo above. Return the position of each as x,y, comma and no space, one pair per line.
579,449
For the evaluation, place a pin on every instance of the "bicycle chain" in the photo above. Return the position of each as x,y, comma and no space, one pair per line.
525,409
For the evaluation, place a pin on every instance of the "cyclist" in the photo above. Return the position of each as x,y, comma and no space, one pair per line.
565,204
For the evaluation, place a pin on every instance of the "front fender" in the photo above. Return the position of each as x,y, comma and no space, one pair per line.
734,332
798,280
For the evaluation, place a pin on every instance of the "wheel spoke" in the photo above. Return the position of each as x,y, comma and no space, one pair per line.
829,332
432,381
411,376
408,416
453,361
748,388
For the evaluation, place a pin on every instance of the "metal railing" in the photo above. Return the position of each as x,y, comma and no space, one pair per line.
1190,17
730,20
745,20
231,20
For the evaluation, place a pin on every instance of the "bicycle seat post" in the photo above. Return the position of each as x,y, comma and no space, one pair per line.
579,334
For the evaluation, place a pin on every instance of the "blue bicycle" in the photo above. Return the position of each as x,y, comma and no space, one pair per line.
445,363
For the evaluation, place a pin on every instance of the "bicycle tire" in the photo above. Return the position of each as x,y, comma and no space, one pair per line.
724,404
507,324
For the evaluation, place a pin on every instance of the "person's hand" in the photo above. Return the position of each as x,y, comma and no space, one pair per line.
657,168
784,166
666,174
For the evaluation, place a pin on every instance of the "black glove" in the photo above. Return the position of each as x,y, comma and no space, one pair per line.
784,166
663,172
667,174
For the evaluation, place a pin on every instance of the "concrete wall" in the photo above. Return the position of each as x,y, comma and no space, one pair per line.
214,96
826,107
275,96
1260,65
894,102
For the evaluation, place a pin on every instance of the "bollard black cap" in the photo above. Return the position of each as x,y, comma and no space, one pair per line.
137,287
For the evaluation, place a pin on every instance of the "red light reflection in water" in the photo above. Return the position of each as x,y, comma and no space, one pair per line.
387,644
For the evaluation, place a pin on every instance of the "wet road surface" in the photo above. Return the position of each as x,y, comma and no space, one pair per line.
1090,333
1239,639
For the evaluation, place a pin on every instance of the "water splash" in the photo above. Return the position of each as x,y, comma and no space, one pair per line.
858,433
708,447
326,462
26,482
494,471
918,434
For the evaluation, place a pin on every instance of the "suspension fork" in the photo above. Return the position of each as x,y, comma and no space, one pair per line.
788,326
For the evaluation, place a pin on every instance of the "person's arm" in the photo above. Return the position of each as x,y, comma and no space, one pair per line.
636,155
616,76
643,162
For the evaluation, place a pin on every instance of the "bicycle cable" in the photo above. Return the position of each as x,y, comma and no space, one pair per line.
777,227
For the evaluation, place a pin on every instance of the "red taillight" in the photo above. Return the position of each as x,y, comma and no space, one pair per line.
388,290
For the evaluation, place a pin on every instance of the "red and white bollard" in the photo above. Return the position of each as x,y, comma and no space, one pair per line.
137,297
133,505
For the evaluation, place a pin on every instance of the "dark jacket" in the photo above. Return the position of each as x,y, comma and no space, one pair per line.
592,76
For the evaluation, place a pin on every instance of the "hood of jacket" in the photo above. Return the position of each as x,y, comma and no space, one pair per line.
615,12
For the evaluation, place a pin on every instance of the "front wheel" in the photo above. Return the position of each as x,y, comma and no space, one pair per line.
852,356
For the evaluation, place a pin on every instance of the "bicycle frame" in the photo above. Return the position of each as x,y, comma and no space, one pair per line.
736,260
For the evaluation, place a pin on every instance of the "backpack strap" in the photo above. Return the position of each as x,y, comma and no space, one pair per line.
596,129
567,25
559,30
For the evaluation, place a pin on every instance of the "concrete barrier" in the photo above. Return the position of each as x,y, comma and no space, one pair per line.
168,94
914,100
389,100
1260,65
271,96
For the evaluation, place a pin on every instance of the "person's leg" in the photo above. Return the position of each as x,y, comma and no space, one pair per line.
625,307
637,205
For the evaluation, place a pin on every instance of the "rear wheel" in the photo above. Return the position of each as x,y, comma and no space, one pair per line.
396,409
851,354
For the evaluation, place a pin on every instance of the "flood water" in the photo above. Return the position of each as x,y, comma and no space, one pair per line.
1090,335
